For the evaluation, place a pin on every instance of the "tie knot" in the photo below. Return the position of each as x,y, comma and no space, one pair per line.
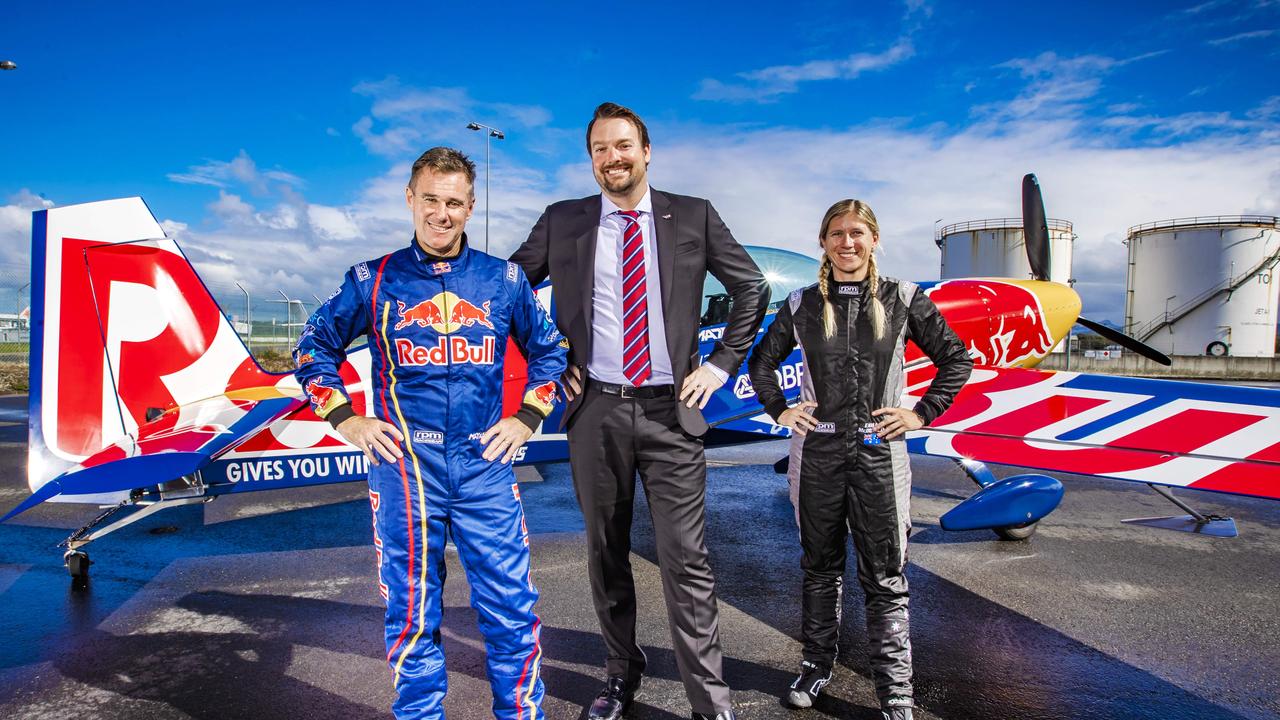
632,215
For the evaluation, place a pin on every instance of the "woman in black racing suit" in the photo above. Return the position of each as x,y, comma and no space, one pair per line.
849,471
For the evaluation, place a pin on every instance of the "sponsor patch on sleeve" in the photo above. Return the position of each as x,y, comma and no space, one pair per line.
324,398
542,397
512,273
362,271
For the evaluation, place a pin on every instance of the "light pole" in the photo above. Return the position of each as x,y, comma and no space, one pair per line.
493,133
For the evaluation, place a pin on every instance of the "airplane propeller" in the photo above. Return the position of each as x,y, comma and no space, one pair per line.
1035,235
1035,228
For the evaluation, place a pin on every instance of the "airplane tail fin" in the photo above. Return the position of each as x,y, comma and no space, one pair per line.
122,329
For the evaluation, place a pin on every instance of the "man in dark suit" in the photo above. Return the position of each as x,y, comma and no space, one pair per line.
628,268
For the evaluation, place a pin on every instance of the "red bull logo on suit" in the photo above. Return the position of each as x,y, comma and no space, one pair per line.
446,351
445,313
543,396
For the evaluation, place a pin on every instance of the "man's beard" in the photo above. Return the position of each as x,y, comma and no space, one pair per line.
622,185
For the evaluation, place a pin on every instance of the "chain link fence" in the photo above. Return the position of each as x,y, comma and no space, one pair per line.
15,314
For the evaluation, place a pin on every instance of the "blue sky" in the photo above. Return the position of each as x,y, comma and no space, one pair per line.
273,141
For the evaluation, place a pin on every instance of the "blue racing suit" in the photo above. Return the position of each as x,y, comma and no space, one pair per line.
437,330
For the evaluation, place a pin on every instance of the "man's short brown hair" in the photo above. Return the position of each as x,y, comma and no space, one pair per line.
444,161
606,111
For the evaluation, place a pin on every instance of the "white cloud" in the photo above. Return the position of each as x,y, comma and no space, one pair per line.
1268,109
773,186
770,83
15,232
240,170
1056,86
1251,35
405,120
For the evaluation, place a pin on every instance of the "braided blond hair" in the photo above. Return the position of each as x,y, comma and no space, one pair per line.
828,312
875,308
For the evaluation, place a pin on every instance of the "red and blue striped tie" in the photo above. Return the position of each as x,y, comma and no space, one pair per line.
635,301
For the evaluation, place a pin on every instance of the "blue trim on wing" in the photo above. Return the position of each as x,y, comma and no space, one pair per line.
1162,392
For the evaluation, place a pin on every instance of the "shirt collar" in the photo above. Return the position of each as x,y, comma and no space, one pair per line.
437,265
645,206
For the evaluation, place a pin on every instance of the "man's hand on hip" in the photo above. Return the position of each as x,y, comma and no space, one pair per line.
699,386
372,435
571,383
505,439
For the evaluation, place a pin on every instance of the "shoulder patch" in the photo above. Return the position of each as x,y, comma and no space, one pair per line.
906,290
793,300
513,273
362,271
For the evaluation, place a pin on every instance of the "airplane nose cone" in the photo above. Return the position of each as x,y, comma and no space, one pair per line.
1061,305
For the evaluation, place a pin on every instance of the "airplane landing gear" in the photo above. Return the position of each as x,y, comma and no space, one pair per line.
77,560
1016,532
78,566
1010,507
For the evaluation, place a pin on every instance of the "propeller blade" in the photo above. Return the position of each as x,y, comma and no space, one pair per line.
1035,231
1123,340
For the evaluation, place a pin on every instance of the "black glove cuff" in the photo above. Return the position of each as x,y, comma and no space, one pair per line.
337,415
530,415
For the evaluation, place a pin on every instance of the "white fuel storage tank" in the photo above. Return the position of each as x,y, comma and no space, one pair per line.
1204,285
994,248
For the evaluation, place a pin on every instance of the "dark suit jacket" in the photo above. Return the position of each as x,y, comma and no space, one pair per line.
691,240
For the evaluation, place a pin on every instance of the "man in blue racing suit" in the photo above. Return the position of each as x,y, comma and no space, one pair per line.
437,316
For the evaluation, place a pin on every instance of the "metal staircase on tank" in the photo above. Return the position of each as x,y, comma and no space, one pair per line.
1228,286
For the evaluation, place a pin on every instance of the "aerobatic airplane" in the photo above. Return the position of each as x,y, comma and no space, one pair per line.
143,396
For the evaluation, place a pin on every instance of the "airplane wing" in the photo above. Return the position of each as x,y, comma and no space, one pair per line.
1203,436
177,443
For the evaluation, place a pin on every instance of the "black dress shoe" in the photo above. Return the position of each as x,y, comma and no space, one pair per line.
613,700
722,715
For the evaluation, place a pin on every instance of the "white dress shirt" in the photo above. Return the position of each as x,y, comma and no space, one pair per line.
605,363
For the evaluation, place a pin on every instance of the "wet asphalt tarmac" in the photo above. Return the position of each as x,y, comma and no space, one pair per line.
264,606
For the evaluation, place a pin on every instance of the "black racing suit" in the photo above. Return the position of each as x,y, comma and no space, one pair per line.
844,478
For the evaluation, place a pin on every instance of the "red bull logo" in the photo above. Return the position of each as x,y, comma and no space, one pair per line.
323,397
446,351
543,396
445,313
1017,331
545,393
424,314
465,314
